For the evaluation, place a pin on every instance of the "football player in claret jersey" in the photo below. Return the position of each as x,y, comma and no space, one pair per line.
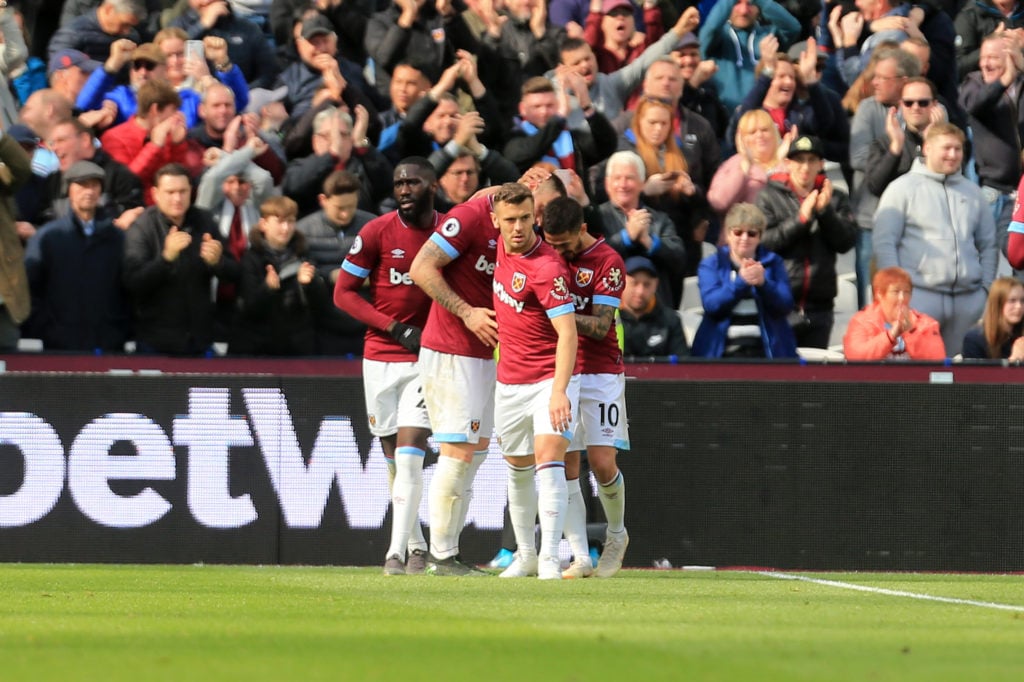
537,389
382,253
457,367
596,282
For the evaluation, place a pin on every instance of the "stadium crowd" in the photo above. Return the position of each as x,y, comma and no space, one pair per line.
147,144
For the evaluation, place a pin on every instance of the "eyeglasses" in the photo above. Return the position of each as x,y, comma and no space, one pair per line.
142,65
922,103
739,232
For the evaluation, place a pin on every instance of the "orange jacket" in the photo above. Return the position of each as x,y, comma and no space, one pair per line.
867,338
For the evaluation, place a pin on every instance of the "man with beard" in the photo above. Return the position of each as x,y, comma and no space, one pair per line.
383,253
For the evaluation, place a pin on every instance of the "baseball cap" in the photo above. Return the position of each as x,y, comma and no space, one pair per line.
65,59
797,49
261,97
636,263
83,170
22,134
610,5
687,40
316,25
806,144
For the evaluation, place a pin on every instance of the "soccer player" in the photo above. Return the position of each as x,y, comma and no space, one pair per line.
537,388
457,367
596,282
383,252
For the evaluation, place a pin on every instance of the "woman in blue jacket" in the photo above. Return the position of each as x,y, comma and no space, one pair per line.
746,296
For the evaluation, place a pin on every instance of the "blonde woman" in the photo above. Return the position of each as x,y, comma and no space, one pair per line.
759,151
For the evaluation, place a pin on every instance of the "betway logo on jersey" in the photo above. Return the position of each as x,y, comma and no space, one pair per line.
580,302
483,265
118,452
506,298
397,277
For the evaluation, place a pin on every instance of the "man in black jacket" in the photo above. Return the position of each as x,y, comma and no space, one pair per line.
172,252
650,328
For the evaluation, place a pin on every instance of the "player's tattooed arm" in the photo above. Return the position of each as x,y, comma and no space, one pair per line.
426,272
596,326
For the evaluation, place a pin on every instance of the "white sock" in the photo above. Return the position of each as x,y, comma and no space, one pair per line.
467,493
522,508
405,497
613,500
446,488
576,521
552,501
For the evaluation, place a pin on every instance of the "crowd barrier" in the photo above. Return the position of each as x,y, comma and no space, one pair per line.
789,465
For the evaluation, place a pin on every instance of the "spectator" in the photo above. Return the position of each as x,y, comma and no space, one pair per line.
759,153
609,92
669,187
544,133
74,272
147,63
338,144
994,98
171,254
155,136
889,329
320,65
408,86
94,32
792,93
68,72
15,301
650,328
13,60
432,31
732,35
281,293
808,222
190,73
979,19
936,224
247,46
746,295
700,94
330,233
610,30
890,156
1002,326
73,142
632,229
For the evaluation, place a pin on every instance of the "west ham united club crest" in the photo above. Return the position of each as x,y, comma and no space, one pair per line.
584,276
373,420
518,282
474,425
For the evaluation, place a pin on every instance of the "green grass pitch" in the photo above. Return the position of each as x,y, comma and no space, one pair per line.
145,623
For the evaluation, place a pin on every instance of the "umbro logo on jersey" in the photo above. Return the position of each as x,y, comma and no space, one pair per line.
398,253
492,243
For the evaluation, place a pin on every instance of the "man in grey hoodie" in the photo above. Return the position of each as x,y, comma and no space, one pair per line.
936,224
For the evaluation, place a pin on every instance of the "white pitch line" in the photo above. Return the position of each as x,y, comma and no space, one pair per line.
892,593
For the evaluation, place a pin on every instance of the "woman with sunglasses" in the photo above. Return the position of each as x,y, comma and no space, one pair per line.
745,292
1001,332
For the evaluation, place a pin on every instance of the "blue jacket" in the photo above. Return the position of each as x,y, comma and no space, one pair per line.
102,85
736,52
720,292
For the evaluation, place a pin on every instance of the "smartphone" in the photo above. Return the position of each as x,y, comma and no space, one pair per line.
194,47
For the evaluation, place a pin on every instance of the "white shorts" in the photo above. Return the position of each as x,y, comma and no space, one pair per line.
394,397
602,412
459,392
521,412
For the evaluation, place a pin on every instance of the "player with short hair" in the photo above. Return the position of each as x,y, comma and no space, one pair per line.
596,283
537,388
383,252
